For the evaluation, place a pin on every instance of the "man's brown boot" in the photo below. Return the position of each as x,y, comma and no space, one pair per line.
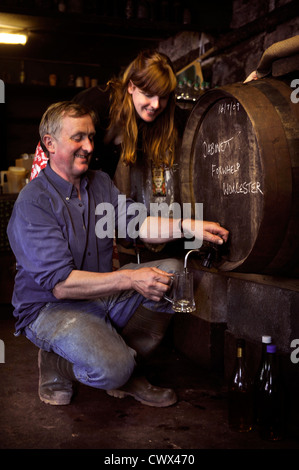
140,389
55,378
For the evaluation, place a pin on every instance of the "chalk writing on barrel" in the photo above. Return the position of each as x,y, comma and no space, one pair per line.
241,188
228,108
211,149
217,147
225,170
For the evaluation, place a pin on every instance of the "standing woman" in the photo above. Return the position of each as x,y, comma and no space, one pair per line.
140,128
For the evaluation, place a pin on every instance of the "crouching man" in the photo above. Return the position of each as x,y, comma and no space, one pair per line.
91,324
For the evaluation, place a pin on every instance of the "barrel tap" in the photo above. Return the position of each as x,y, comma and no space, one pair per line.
186,257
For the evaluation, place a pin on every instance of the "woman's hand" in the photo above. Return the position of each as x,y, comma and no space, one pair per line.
214,233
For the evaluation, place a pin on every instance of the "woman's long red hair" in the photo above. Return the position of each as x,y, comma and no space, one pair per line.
152,72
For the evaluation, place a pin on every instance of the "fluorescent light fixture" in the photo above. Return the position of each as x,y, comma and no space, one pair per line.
13,38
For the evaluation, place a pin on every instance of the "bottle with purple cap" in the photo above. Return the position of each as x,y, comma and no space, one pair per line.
260,374
271,406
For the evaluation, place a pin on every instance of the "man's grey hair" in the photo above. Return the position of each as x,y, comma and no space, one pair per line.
52,118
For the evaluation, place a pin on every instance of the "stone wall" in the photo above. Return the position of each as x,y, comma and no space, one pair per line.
255,26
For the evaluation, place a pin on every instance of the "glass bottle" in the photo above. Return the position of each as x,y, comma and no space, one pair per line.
189,90
271,412
240,399
129,9
22,73
62,6
179,91
260,375
142,10
196,91
184,88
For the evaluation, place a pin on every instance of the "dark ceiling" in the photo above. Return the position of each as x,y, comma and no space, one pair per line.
102,34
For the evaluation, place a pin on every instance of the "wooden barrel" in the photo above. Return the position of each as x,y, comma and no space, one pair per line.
240,158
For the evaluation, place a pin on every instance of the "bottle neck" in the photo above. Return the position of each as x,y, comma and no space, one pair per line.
271,356
264,356
271,360
240,366
271,369
240,361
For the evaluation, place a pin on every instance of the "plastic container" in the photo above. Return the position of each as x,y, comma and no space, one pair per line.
13,180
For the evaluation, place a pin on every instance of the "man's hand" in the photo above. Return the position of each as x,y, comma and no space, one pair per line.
152,283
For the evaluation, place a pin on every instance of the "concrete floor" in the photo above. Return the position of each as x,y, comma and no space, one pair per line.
96,421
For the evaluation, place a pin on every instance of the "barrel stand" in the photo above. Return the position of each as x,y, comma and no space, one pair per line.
233,305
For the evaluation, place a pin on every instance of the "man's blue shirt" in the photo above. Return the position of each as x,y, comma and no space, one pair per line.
52,232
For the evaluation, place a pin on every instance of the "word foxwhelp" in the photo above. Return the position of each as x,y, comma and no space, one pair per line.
105,226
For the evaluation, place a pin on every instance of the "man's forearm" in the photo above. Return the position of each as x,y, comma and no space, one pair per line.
90,285
150,282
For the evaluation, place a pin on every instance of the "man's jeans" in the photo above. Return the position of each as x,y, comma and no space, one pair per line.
85,332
